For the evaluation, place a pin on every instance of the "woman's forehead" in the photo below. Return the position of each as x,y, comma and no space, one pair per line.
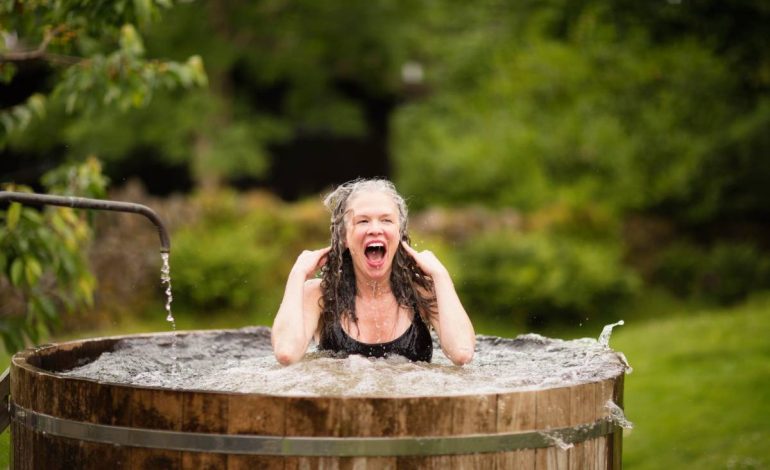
371,202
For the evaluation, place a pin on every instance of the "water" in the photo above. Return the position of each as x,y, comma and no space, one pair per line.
165,278
242,361
617,415
604,337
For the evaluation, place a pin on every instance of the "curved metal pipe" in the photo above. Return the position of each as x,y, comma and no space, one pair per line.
95,204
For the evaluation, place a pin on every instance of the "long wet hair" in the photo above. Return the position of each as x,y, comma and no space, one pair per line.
338,281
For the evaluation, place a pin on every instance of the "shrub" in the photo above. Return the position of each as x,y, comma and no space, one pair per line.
724,273
539,278
732,271
678,268
236,258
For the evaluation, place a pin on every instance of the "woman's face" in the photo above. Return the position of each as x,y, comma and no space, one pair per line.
372,234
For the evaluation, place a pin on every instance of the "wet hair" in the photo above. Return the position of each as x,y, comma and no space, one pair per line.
338,281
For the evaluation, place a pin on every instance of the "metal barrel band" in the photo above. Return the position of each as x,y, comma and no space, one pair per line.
308,446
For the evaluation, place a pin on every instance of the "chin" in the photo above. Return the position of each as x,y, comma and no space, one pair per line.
377,274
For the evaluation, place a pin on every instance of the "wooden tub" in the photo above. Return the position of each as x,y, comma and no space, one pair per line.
66,422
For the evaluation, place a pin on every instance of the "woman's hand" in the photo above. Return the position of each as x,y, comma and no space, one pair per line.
426,261
309,262
297,317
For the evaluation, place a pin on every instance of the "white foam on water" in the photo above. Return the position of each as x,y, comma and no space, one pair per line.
242,361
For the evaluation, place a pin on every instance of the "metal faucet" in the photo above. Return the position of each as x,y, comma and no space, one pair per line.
96,204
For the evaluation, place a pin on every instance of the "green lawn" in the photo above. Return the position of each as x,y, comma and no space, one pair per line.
699,395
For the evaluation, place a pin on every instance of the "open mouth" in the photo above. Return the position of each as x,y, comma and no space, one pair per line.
375,252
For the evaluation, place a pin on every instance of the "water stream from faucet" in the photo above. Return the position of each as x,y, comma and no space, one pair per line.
165,278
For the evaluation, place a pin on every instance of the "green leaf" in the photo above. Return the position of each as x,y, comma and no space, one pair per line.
32,271
17,271
32,216
130,41
36,103
23,115
8,122
7,72
13,215
143,10
45,306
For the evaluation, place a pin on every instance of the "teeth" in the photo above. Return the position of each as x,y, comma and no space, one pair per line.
375,245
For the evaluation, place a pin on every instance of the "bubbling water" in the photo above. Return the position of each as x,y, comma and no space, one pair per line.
242,361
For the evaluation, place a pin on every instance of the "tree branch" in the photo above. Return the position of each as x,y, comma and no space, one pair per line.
41,52
22,56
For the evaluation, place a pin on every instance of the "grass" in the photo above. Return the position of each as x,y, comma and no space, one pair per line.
699,395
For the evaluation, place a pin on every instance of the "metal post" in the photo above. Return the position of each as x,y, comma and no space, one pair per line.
95,204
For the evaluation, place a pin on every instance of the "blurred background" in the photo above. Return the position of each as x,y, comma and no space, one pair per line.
572,162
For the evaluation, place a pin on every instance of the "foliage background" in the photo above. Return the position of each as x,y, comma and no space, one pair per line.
572,162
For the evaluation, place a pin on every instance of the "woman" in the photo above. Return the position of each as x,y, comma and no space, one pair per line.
377,296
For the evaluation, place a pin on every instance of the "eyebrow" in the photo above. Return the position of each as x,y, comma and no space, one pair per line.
393,214
374,215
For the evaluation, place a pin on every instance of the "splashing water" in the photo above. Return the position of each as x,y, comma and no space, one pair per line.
242,361
165,278
557,441
617,415
604,337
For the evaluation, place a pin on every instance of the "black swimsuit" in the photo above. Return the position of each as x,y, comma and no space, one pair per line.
415,344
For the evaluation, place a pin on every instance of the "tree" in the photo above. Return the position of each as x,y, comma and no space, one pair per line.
97,61
655,107
95,52
43,257
277,71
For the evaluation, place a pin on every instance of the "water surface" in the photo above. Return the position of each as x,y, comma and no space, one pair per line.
242,361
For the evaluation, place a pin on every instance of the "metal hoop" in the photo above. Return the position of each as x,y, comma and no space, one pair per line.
308,446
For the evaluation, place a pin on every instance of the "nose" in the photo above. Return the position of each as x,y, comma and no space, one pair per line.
375,227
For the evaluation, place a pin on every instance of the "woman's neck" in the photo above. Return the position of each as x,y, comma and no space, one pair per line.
377,313
373,289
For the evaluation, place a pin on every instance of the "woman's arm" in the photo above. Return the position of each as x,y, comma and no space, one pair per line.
454,328
297,318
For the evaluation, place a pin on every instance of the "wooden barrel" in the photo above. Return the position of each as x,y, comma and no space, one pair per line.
66,422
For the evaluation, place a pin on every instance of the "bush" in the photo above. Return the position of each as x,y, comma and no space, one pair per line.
678,269
43,268
539,278
237,256
724,273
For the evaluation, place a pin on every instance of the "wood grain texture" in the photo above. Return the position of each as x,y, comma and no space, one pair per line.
260,415
553,411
